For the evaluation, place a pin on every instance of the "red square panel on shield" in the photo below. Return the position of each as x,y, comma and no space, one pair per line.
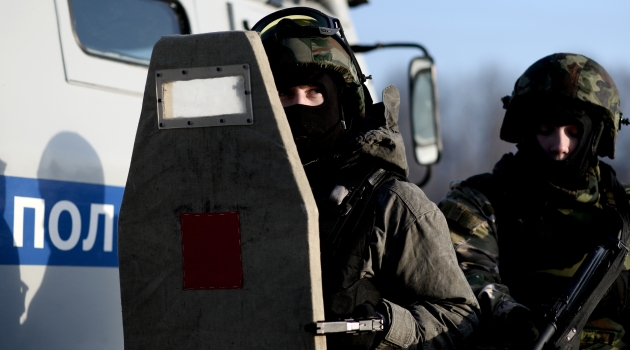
211,249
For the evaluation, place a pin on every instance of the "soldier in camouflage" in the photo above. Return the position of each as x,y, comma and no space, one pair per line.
522,231
385,250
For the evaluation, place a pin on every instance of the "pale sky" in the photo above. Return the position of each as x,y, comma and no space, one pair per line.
470,40
466,35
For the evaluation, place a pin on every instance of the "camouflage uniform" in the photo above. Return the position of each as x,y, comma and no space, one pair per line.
519,238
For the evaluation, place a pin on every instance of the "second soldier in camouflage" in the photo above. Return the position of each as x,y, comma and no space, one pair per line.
521,232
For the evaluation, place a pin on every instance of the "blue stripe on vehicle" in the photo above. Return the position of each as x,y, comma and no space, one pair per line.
80,196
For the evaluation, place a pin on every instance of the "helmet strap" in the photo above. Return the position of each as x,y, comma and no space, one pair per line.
598,131
342,116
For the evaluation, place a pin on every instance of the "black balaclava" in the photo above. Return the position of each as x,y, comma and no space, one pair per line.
315,128
569,173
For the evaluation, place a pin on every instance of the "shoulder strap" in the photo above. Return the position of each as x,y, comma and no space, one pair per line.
345,245
354,205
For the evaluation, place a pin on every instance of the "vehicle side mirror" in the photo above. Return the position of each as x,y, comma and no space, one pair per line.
425,124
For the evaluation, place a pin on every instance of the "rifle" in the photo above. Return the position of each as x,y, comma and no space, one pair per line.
570,311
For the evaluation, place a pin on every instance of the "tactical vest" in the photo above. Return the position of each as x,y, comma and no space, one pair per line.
346,221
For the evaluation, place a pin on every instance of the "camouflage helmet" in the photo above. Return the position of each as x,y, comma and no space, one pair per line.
571,78
290,48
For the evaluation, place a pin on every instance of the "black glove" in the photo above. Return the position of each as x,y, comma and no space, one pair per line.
615,302
362,341
365,310
520,328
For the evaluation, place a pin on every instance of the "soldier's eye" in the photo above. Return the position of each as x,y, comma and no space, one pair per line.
573,131
543,129
285,93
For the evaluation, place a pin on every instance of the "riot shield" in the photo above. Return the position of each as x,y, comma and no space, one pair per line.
218,237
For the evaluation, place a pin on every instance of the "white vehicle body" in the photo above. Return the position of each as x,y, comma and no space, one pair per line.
69,119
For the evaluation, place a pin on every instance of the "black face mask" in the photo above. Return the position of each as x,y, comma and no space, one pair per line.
569,173
316,128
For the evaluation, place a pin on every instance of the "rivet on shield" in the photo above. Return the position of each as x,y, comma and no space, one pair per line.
219,69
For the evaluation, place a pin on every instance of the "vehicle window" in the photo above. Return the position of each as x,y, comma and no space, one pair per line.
126,29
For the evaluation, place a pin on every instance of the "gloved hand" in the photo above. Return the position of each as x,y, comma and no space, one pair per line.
368,340
520,328
365,310
615,301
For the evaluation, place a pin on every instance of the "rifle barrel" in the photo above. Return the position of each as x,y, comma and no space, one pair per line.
545,334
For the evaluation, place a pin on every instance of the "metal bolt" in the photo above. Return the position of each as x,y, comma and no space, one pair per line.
246,92
159,100
249,121
572,333
189,122
218,69
222,120
159,75
245,66
161,125
184,72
